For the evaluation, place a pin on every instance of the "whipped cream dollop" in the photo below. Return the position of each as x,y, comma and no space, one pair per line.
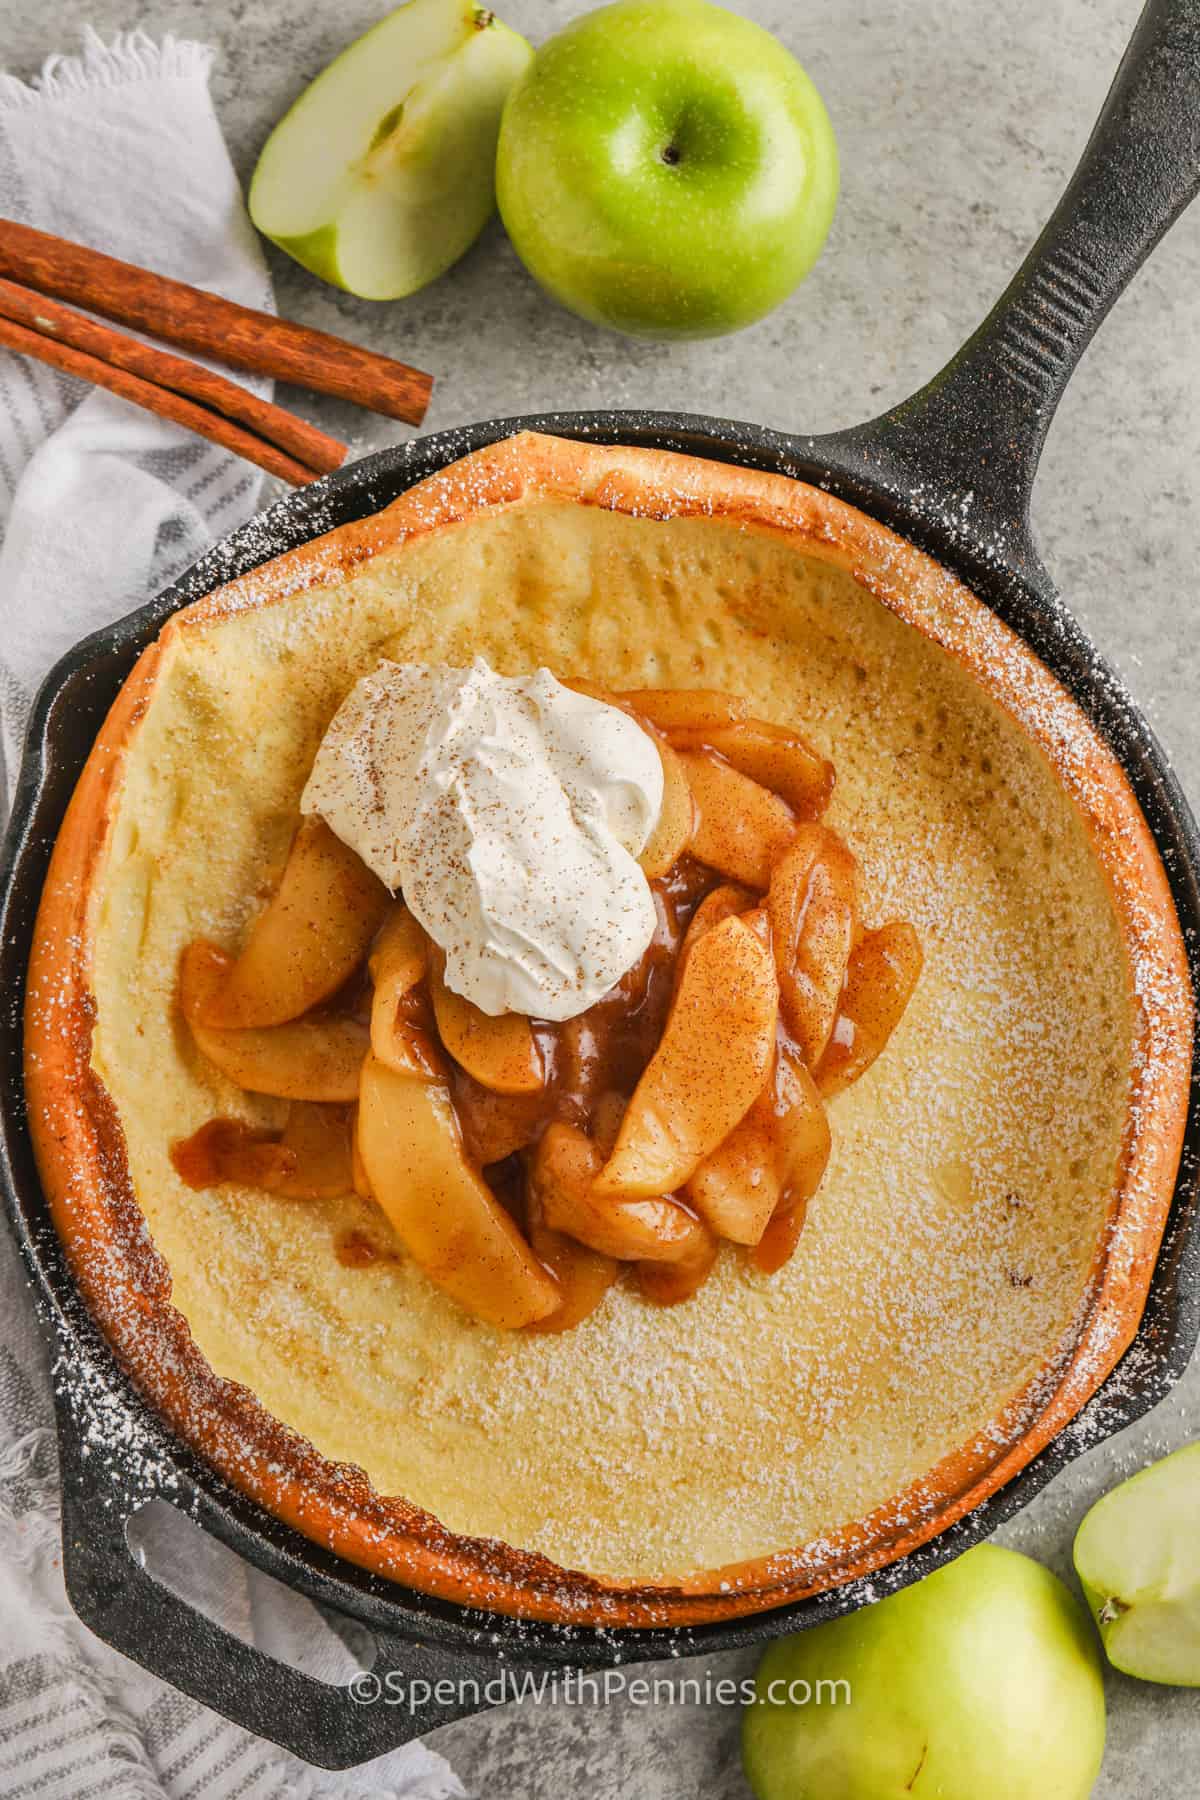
510,811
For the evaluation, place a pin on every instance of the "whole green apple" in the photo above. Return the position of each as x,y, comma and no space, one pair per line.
666,168
981,1682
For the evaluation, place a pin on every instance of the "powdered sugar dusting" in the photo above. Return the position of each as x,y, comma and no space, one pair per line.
949,1263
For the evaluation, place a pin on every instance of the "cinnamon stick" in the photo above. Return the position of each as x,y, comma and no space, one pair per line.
301,441
162,401
209,325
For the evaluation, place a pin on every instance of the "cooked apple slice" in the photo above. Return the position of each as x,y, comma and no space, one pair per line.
741,828
811,906
501,1053
562,1188
443,1211
318,1058
709,1067
400,1041
308,1059
495,1126
780,759
309,938
758,921
669,1283
776,1156
584,1276
398,962
383,172
358,1174
724,902
884,969
607,1114
778,1242
318,1138
684,709
673,832
399,956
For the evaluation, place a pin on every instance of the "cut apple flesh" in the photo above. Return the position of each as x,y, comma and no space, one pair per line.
774,1158
400,954
684,709
708,1070
778,759
676,821
383,172
741,828
757,921
495,1126
358,1173
319,1140
607,1114
583,1275
501,1053
778,1242
442,1210
811,906
309,938
1137,1554
883,970
562,1186
667,1284
402,1038
318,1058
398,962
724,902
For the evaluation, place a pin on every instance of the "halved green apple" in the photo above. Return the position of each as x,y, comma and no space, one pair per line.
383,172
1137,1554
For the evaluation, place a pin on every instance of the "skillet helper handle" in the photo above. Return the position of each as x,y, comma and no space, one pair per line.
412,1688
976,432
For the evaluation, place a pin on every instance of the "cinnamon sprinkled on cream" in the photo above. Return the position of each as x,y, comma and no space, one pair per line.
510,811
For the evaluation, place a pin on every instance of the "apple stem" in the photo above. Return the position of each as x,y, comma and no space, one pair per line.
671,153
1112,1609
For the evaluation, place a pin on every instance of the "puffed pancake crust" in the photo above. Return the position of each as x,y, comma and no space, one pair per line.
979,1254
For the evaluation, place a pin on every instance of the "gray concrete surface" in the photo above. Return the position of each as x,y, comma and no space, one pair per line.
959,121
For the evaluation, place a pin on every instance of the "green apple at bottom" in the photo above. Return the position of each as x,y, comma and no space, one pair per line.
981,1682
667,168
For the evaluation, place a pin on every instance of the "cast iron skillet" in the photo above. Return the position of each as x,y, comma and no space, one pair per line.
951,469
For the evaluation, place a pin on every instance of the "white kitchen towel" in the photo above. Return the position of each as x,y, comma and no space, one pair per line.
100,505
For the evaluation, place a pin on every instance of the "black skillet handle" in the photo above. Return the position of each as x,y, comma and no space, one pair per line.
413,1687
973,437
